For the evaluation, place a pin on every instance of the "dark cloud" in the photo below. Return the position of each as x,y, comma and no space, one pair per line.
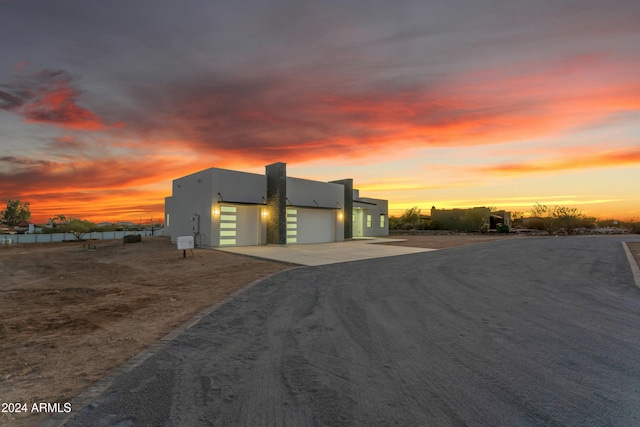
9,102
67,143
299,117
48,97
24,161
81,174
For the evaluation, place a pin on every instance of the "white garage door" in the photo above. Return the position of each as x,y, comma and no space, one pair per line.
239,225
314,225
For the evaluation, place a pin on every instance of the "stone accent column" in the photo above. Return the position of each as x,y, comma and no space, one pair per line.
276,204
347,206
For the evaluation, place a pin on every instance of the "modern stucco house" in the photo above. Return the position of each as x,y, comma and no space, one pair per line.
221,207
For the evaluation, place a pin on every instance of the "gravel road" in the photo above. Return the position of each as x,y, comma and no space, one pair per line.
531,331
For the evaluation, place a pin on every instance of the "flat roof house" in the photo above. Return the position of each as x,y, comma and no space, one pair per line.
221,207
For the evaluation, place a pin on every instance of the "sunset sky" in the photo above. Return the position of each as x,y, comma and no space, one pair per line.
446,103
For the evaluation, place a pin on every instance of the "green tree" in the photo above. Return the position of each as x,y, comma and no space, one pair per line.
632,226
394,223
59,217
15,212
76,226
560,218
608,223
411,216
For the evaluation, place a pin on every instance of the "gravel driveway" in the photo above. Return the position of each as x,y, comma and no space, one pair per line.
521,332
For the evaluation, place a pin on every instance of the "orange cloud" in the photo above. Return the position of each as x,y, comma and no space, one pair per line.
301,118
97,189
344,126
59,107
90,174
603,159
98,206
240,124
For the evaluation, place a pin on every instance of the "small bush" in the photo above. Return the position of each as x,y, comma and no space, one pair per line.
132,238
503,228
537,224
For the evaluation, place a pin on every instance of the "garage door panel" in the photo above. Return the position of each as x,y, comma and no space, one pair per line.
239,225
315,226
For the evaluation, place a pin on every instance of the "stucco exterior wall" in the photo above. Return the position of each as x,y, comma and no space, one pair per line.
235,186
305,192
191,201
196,197
461,219
364,206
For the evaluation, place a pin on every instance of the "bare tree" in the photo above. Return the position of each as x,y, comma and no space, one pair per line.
567,219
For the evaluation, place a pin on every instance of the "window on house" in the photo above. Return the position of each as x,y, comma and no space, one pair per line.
368,221
381,221
167,221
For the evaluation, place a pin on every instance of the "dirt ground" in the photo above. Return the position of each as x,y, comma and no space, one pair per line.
634,247
69,314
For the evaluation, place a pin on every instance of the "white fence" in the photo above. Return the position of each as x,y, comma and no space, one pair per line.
13,239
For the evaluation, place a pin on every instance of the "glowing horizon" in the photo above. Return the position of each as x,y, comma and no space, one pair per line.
539,103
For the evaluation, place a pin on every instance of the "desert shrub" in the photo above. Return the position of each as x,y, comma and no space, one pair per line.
132,238
537,224
434,224
503,228
394,223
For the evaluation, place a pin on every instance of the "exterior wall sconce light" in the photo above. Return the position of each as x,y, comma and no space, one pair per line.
264,213
216,211
340,215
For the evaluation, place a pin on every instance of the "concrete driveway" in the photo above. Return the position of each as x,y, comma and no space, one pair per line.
326,253
518,332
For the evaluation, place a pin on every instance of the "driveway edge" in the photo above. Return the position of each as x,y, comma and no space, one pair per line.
85,398
632,263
